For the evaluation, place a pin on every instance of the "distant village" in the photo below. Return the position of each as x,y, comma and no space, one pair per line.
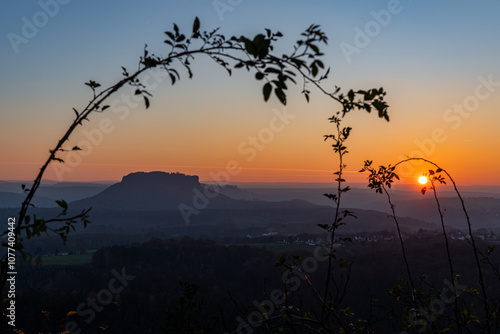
275,237
369,237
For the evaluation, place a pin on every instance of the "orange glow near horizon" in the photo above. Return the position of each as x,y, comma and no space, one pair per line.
294,152
265,171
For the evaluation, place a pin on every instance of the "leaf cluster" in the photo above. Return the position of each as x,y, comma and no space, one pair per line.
434,177
380,177
33,226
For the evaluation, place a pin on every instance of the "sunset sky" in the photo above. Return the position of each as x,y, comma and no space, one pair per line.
438,61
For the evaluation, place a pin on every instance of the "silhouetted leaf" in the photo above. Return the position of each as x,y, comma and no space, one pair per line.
350,95
324,226
146,101
196,25
150,62
259,75
332,197
250,47
314,69
169,34
280,95
263,48
272,70
267,91
62,203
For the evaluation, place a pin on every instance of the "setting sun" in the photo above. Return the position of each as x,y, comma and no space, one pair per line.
422,179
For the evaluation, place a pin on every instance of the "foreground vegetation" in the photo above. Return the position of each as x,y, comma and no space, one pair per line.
229,279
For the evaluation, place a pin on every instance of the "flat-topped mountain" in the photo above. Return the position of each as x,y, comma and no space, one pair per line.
159,191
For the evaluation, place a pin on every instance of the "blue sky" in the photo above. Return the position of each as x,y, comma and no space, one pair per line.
428,57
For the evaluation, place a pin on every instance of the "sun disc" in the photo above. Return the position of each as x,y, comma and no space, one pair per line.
422,180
